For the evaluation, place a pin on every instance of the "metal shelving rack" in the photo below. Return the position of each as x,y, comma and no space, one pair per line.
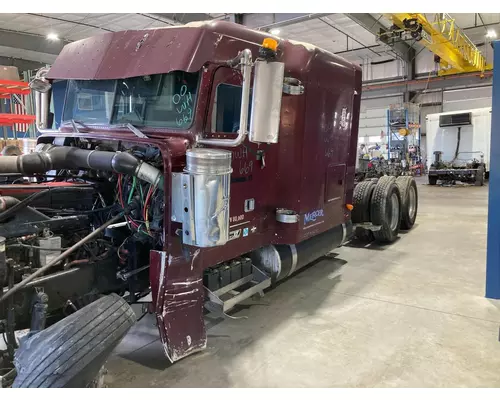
403,131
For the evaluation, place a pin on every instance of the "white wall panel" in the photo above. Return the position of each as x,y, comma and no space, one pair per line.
373,118
380,102
466,99
431,97
424,62
424,111
385,70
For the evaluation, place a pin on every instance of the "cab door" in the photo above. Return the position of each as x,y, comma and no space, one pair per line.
248,160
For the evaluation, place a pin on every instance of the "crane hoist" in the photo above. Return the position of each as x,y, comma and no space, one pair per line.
453,50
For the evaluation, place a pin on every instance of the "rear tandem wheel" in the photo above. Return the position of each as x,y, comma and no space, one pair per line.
361,201
409,201
385,209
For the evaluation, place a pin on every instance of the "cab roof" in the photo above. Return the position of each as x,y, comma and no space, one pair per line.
126,54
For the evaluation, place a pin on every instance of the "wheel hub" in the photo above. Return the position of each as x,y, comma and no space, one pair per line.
394,211
412,203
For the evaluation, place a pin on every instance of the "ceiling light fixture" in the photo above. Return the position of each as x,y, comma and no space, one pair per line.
52,36
491,34
274,31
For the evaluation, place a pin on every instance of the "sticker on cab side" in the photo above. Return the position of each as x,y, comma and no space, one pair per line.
313,216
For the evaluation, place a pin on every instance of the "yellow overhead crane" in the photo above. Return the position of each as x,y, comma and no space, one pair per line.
457,54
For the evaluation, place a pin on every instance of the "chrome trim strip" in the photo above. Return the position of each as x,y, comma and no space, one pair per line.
344,233
293,249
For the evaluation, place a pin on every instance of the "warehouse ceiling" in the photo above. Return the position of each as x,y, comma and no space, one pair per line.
40,37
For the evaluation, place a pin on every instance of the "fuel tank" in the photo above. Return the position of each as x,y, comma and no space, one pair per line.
283,260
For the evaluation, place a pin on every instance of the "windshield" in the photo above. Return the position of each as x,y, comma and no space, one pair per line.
159,101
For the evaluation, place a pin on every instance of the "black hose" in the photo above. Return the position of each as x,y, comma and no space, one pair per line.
59,258
31,198
7,202
458,144
65,157
232,62
19,205
72,211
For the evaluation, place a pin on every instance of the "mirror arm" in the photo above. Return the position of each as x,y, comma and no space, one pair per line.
246,69
42,89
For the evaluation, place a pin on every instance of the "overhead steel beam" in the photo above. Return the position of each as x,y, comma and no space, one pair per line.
424,84
481,26
25,41
22,65
80,23
373,47
267,21
184,18
280,20
368,22
349,37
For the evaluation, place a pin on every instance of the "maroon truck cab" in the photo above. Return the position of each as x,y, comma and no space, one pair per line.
288,198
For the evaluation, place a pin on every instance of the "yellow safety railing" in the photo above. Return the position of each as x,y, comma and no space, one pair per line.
444,38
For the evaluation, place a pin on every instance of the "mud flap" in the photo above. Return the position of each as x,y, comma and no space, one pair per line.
178,302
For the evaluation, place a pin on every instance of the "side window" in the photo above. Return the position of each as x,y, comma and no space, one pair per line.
226,109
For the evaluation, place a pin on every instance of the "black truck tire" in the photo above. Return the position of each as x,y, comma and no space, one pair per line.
71,352
386,209
409,201
433,179
361,199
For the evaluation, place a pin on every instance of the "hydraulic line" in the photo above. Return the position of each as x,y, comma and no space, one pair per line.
61,257
458,145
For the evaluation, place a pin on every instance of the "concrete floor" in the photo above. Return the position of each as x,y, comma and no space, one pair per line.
411,314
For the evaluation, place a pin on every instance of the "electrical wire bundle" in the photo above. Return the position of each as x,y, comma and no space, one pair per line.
129,189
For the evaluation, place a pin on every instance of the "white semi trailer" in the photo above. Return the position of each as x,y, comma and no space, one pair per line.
458,145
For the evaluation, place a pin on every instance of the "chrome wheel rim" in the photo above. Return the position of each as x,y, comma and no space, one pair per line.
394,211
412,203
